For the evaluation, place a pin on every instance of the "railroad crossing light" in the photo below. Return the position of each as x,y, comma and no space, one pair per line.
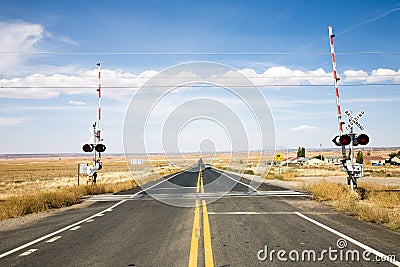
363,139
335,140
87,148
100,148
343,140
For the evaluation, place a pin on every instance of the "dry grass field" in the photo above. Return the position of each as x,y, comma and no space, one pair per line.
378,197
24,175
373,203
31,185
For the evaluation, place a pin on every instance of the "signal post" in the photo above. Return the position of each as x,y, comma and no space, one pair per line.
96,146
353,170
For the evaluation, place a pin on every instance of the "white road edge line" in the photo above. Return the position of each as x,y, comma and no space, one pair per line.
53,239
249,186
355,242
79,222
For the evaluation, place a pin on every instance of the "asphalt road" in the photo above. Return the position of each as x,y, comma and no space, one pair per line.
267,226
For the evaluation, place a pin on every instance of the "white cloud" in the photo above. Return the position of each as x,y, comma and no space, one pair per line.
303,128
355,75
20,37
77,103
281,75
275,76
376,76
67,40
382,75
9,121
117,84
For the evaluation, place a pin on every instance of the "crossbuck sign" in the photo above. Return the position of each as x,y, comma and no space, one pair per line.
354,120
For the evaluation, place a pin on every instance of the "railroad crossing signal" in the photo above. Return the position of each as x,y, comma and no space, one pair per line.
100,148
278,157
346,139
354,120
87,148
362,139
353,170
343,140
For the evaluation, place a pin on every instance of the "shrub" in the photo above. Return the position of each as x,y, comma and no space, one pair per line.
249,172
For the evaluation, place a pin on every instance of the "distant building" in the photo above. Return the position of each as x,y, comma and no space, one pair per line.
294,161
395,160
314,162
374,160
332,160
302,161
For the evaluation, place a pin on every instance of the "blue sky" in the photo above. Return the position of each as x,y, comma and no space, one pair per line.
35,118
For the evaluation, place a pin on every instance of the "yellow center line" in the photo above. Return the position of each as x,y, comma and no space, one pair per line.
208,256
198,182
194,246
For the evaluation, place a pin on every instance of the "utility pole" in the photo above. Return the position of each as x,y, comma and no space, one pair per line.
320,151
287,157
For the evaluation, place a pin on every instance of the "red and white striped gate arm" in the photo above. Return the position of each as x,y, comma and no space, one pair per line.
99,105
336,79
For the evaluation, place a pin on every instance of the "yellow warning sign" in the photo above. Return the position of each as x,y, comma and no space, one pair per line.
278,157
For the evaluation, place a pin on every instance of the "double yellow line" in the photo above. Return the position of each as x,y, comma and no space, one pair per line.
196,232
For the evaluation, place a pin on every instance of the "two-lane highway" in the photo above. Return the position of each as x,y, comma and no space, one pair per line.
224,222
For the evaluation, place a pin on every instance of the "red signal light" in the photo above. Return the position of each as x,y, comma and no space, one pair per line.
363,139
345,140
87,148
100,148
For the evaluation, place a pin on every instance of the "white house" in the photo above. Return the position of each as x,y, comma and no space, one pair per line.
374,160
315,162
395,160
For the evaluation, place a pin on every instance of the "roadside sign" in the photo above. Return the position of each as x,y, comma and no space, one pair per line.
278,157
136,161
82,167
354,120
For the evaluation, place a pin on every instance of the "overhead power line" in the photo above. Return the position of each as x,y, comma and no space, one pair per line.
222,77
202,85
200,53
